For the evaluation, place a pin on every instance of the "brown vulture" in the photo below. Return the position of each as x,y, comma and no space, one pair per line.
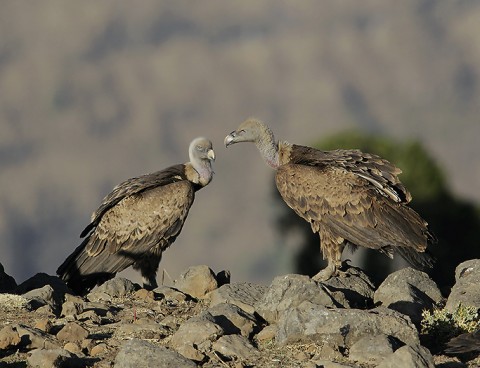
137,221
348,197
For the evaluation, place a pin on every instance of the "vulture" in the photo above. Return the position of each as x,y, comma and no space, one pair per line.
137,221
348,197
465,343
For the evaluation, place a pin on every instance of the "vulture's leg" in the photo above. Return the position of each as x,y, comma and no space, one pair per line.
332,248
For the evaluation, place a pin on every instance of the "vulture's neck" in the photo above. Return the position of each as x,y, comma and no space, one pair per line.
199,172
268,147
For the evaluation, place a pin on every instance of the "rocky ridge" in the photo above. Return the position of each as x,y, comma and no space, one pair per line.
204,320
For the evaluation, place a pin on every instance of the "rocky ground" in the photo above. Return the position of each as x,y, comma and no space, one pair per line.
204,320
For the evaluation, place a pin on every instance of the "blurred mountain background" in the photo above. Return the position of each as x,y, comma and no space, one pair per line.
93,93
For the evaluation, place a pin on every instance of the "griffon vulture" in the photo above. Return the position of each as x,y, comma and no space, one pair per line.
137,221
347,196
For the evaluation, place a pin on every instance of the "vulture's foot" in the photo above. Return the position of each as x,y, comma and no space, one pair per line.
326,273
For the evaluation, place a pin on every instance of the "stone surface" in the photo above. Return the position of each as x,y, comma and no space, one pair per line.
53,358
408,291
7,282
467,286
194,333
197,281
33,338
142,354
42,279
242,294
310,322
170,293
287,292
71,309
234,320
372,349
235,346
9,337
409,357
42,296
114,288
72,332
144,328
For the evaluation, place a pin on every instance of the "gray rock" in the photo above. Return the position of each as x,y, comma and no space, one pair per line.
9,337
372,349
329,364
42,279
33,338
7,282
197,281
235,346
170,293
289,291
408,291
114,288
39,297
409,357
43,358
195,336
142,354
355,287
243,294
72,332
71,309
234,320
466,290
311,322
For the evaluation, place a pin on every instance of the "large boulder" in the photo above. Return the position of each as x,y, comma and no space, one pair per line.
408,291
466,290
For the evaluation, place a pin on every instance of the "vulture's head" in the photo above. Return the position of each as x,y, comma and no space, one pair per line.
201,155
201,149
251,130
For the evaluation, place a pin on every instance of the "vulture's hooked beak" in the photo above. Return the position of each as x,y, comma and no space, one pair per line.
230,139
211,155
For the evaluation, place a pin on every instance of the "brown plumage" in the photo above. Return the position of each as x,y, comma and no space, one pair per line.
347,196
137,221
465,343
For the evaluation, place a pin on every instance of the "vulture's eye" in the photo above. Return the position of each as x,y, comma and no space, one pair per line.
199,148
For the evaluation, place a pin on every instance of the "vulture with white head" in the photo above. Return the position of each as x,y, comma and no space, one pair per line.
137,221
348,197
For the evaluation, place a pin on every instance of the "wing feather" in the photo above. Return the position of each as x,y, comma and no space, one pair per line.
351,208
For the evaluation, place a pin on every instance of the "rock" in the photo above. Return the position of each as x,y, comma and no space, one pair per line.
98,349
267,333
235,346
194,333
310,322
114,288
409,357
71,309
287,292
44,325
197,281
466,290
33,338
73,348
243,294
7,282
372,349
142,354
43,358
223,278
9,337
72,332
40,297
234,320
329,364
144,294
170,293
408,291
42,279
355,287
